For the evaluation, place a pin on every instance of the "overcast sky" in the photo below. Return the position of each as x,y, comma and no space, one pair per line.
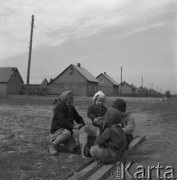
102,35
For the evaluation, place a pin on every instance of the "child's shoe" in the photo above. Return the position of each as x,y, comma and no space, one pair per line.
53,149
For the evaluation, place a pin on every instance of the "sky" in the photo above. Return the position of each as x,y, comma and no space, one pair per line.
138,35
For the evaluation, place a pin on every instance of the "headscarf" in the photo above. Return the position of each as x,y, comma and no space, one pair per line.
63,96
99,94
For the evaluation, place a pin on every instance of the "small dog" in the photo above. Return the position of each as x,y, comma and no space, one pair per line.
86,132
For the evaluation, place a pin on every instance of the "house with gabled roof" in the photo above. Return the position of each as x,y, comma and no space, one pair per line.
44,83
127,89
107,84
11,81
144,91
136,90
74,78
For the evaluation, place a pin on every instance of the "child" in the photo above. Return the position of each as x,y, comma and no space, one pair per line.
97,110
63,123
128,120
88,133
109,146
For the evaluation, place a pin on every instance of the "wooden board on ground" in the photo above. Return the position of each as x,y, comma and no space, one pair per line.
105,169
134,144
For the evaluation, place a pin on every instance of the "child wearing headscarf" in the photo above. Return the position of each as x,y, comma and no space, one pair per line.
97,110
63,123
110,145
127,121
88,133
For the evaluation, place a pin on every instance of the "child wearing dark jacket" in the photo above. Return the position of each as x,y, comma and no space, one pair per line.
110,145
63,123
97,110
95,113
127,121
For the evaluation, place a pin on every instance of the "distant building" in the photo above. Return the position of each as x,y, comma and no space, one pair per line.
76,79
37,89
144,92
11,81
136,90
127,89
44,83
108,85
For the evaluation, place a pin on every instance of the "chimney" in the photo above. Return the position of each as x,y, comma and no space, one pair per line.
78,64
105,73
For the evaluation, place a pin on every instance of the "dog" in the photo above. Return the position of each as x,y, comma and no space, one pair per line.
87,135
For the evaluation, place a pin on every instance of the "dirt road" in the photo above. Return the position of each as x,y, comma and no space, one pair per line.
25,127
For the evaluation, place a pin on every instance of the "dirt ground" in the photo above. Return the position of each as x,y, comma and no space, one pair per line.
25,126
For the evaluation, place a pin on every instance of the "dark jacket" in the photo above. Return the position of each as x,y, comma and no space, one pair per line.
64,118
95,112
113,139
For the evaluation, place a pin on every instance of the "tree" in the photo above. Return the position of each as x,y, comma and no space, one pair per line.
168,94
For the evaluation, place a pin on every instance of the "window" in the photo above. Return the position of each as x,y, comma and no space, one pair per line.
74,86
95,88
90,88
66,86
101,80
71,71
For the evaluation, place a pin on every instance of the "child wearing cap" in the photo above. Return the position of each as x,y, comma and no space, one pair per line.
127,121
63,123
110,145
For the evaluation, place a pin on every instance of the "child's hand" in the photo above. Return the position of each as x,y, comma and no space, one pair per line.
98,132
77,126
97,119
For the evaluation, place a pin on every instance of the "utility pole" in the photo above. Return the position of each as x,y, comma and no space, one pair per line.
121,81
29,58
142,82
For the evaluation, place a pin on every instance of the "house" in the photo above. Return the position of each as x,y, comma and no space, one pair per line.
11,81
127,89
76,79
144,91
44,83
108,85
136,90
37,89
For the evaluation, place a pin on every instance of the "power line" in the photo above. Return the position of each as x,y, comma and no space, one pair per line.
78,51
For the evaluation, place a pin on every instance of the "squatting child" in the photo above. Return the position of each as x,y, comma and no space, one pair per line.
110,145
63,123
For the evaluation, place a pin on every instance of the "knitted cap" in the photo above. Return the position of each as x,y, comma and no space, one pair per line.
112,116
119,104
100,94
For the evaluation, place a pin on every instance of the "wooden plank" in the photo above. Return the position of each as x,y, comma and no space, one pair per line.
134,144
109,168
105,169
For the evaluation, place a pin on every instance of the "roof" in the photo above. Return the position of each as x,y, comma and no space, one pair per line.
126,84
134,87
84,72
45,80
6,73
109,79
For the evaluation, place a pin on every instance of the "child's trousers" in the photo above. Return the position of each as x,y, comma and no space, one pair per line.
104,155
63,136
